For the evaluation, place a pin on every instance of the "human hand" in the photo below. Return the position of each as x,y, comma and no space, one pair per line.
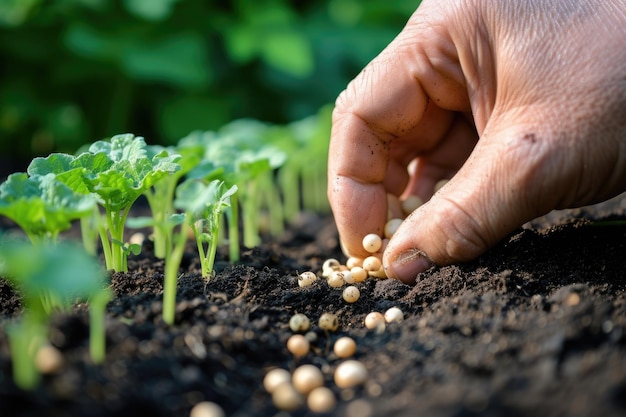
521,104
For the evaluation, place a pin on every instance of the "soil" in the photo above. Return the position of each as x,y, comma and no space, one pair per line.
536,326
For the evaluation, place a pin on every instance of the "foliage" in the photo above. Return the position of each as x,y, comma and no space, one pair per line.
42,272
167,67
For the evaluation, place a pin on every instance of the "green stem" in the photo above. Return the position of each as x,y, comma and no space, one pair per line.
233,228
97,328
172,265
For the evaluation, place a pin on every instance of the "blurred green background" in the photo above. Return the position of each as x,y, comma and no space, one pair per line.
75,71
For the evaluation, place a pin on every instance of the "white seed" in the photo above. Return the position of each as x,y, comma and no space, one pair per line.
207,409
380,273
321,400
329,266
351,294
335,279
274,378
286,398
354,261
394,314
306,378
328,321
137,238
347,277
375,321
306,279
350,374
299,323
311,336
440,184
298,345
344,347
411,203
394,208
49,360
372,242
372,263
391,226
358,274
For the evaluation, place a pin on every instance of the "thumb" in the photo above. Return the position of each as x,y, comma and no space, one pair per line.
511,177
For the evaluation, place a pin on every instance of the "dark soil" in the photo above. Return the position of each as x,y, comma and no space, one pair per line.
537,326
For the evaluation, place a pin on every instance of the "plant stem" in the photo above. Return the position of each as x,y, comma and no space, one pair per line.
233,228
172,264
97,328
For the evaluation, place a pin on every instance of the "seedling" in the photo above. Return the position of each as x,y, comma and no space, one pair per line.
62,272
42,205
204,204
118,171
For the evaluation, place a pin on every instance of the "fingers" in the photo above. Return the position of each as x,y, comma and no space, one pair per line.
386,107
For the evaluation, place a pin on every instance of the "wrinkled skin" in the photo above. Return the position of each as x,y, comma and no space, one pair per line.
521,104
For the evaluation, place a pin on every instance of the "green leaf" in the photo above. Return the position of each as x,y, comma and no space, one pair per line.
154,10
290,52
200,199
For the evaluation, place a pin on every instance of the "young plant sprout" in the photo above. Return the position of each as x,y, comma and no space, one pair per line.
61,272
306,378
274,378
207,409
306,279
350,373
42,205
372,243
118,171
394,315
299,323
375,321
298,345
351,294
321,400
344,347
335,279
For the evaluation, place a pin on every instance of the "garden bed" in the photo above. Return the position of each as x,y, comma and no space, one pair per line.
534,327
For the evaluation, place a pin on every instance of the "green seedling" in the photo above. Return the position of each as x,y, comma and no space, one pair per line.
118,171
61,271
161,196
203,204
42,205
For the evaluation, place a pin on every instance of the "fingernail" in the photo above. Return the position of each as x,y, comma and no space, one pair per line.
408,264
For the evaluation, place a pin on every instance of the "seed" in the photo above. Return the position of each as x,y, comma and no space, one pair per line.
380,273
321,400
411,203
350,374
372,263
298,345
286,398
354,261
347,277
299,323
328,321
207,409
49,360
329,266
137,238
344,347
335,279
372,242
306,378
375,320
358,274
394,314
440,184
351,294
274,378
306,279
391,226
